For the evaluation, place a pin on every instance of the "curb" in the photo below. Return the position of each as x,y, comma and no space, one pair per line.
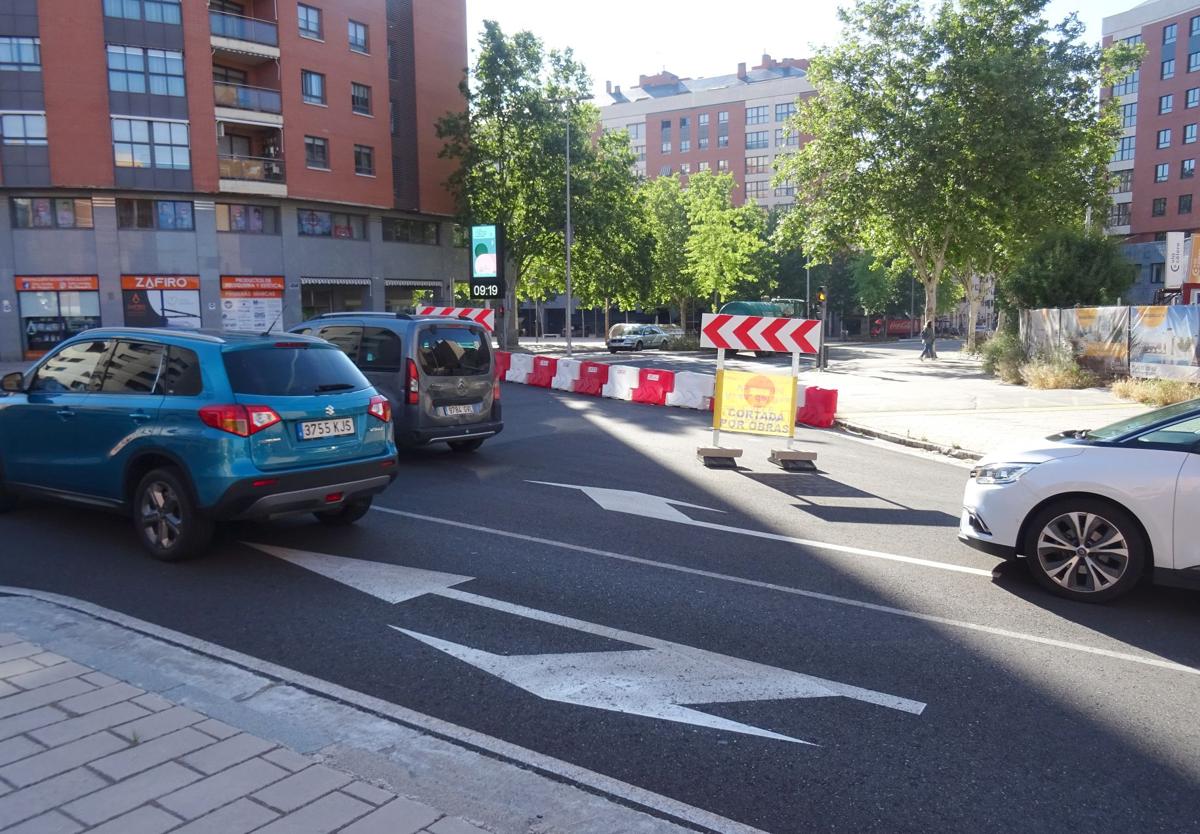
891,437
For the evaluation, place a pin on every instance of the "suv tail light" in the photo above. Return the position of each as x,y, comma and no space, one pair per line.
413,384
496,389
380,408
242,420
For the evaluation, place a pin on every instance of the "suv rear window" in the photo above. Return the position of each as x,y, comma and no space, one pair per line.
292,371
446,350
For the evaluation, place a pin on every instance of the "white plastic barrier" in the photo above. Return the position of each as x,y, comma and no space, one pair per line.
622,379
801,393
568,372
520,368
692,390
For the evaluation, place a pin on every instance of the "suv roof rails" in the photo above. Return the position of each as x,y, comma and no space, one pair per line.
375,313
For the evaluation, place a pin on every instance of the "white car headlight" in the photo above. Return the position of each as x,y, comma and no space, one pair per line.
1000,473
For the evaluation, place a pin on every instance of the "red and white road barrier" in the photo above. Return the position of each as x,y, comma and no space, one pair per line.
653,386
567,375
520,367
593,376
760,333
479,315
622,379
692,390
544,369
501,362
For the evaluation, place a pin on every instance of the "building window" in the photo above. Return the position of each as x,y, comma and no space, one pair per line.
722,165
664,171
636,130
360,98
1159,207
23,128
1189,134
1165,104
140,143
364,160
403,230
1156,272
704,166
1162,171
310,21
135,70
358,36
331,224
154,11
756,115
1193,61
685,168
1129,115
1194,27
1127,85
312,86
316,152
685,134
702,132
1164,138
1185,203
758,165
1187,169
1118,214
640,152
1122,182
787,189
1125,149
1169,33
166,215
758,190
247,219
665,126
51,213
786,138
783,112
1168,69
723,129
20,54
702,120
758,139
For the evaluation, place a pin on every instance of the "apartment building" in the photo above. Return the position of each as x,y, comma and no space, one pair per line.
228,164
1155,158
733,123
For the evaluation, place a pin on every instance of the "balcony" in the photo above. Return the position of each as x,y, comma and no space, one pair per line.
249,37
246,104
252,175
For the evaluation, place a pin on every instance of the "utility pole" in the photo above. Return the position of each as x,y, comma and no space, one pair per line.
569,232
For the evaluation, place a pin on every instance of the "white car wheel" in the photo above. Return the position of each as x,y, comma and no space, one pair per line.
1085,549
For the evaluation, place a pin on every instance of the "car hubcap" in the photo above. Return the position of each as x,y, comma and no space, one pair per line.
1083,552
161,516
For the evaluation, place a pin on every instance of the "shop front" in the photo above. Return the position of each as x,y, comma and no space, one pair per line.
252,302
401,295
55,308
333,295
161,301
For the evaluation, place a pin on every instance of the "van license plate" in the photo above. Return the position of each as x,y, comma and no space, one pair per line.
452,410
316,429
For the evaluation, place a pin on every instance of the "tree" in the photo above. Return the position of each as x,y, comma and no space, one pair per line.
939,143
1069,267
724,240
667,221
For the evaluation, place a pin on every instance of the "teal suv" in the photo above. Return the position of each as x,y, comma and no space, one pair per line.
182,429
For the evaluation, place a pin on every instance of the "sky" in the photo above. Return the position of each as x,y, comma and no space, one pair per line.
618,40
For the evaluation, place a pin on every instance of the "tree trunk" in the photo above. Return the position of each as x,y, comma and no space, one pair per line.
930,301
607,316
510,338
683,319
974,301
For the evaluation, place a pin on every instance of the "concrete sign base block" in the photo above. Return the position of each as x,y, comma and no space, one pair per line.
715,457
794,460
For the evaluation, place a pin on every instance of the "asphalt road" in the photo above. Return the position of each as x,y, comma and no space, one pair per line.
902,682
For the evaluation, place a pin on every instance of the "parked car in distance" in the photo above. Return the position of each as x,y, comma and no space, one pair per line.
182,429
437,373
636,337
1093,512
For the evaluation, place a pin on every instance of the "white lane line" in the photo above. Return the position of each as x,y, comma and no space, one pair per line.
853,603
521,756
653,506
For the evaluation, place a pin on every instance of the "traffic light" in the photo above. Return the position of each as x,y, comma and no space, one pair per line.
821,297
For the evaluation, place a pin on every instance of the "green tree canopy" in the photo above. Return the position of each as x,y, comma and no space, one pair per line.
1068,267
725,240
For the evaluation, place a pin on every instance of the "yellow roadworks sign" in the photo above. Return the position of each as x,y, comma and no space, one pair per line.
753,403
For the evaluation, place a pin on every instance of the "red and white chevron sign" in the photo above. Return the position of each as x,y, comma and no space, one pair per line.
765,333
476,314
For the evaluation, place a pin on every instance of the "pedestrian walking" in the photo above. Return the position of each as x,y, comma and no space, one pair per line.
928,339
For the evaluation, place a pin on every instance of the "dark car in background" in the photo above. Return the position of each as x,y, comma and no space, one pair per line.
436,372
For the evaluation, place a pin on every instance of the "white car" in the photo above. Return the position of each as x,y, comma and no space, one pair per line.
1093,512
636,337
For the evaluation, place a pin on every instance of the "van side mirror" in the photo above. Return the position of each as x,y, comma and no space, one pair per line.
13,383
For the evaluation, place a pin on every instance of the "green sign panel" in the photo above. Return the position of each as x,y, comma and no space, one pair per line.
487,262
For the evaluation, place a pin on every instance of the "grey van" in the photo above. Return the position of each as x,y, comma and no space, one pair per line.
436,372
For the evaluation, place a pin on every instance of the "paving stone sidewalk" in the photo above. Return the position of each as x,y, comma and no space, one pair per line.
83,751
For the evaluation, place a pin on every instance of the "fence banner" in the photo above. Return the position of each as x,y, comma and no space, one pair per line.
1165,343
1040,331
1099,337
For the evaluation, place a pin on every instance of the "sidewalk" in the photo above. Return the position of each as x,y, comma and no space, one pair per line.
127,731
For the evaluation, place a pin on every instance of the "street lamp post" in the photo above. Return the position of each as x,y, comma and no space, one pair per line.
569,232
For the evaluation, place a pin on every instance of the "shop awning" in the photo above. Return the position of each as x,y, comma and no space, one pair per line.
415,282
309,280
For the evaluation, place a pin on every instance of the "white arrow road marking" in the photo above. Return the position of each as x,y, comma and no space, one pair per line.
657,683
655,506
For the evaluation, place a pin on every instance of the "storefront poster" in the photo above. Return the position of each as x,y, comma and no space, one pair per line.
252,302
1165,342
55,308
161,301
1099,337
